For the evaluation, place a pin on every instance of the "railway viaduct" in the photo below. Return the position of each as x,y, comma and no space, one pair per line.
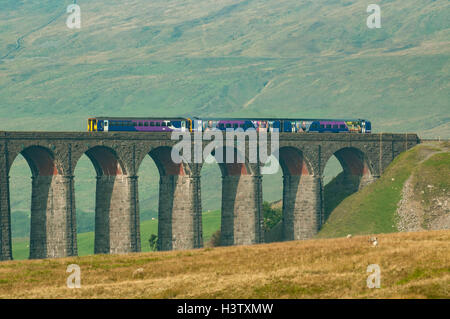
116,156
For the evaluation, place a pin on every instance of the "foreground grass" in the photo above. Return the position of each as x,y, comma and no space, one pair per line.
85,241
413,265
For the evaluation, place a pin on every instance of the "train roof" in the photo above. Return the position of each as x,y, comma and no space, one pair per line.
138,118
221,118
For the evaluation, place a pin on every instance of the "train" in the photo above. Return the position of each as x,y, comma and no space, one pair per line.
197,124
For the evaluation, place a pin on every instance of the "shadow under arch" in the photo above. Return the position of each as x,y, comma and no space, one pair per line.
52,209
106,161
301,206
355,175
41,162
179,215
241,204
116,204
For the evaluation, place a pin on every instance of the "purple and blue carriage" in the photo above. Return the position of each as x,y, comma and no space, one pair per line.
196,124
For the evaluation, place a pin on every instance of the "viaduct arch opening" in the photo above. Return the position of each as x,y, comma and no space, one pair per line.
211,201
352,175
241,200
51,215
179,214
20,204
148,190
116,220
301,206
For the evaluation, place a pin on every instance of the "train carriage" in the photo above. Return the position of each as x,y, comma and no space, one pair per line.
200,124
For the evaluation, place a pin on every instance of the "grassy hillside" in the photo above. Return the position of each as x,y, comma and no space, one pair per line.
374,209
247,57
413,265
211,223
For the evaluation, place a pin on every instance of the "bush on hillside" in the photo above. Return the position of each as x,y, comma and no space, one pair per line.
215,239
153,241
271,216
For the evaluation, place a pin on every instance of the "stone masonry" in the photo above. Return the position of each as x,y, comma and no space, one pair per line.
116,156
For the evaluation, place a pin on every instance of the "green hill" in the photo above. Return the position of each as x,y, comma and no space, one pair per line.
247,57
412,194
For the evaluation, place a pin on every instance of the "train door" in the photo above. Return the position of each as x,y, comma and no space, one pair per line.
287,126
105,125
197,125
90,125
100,125
183,126
276,126
363,126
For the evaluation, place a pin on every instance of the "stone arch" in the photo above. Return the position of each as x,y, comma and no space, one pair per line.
234,168
52,231
353,161
40,160
241,215
116,203
179,214
356,174
162,157
301,204
106,161
294,162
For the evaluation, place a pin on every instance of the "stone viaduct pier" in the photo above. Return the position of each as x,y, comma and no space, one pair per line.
116,156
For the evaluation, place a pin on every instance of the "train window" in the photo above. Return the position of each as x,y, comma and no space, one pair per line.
335,126
235,125
228,125
140,124
158,123
145,123
221,125
163,123
152,123
169,123
134,123
241,125
342,126
322,126
328,125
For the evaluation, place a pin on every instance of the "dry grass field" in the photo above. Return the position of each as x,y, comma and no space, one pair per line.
413,265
